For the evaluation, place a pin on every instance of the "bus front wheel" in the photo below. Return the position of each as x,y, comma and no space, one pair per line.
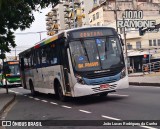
60,93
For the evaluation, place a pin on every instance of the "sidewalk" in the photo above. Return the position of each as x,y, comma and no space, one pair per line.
140,79
5,99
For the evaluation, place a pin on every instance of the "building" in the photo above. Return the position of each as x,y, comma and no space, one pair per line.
140,49
69,14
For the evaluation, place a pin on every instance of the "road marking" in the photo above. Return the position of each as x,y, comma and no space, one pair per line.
85,111
112,118
44,101
53,103
36,98
118,95
25,95
66,106
30,97
145,87
148,127
20,87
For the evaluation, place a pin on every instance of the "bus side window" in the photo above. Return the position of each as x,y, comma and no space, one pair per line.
22,64
53,57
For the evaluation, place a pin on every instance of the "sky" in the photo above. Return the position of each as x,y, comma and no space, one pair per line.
25,41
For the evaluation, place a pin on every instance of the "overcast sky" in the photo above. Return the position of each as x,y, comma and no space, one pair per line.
25,41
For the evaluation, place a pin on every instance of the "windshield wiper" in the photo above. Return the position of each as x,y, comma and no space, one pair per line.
86,54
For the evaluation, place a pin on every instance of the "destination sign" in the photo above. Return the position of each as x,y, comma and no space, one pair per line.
92,64
13,62
96,32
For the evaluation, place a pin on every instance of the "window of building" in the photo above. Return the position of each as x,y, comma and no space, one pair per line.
128,29
150,42
154,43
138,44
158,42
94,17
98,23
97,15
82,3
129,46
95,1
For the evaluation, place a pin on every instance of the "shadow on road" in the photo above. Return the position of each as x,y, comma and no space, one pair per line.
87,100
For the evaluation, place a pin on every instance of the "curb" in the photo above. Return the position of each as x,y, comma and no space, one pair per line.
144,84
1,111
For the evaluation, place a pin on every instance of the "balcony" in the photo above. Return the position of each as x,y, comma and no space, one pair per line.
54,13
51,33
66,16
48,18
67,27
49,22
66,10
48,28
77,2
54,19
54,9
66,4
54,26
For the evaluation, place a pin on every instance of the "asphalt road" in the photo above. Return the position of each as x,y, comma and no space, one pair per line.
135,103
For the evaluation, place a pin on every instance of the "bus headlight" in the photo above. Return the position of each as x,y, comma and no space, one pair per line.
123,73
79,79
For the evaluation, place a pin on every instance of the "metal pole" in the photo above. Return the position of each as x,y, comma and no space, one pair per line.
115,11
149,61
40,35
126,55
73,14
15,54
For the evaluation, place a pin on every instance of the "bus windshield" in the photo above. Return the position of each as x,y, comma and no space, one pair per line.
13,70
96,53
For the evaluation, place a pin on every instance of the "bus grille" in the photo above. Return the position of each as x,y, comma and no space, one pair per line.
104,74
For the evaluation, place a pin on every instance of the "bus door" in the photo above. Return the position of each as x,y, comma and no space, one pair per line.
66,69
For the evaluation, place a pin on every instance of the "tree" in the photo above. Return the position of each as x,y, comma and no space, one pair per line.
15,14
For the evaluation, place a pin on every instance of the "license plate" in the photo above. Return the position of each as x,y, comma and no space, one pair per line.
104,86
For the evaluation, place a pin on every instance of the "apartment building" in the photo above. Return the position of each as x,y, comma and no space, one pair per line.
141,49
69,14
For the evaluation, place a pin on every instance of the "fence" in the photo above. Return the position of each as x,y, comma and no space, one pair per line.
151,67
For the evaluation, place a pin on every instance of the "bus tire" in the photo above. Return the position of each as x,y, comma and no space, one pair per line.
59,93
103,94
33,92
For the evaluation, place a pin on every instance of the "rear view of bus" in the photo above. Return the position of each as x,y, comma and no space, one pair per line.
12,73
97,60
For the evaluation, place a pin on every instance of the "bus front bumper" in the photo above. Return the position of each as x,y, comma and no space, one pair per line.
84,90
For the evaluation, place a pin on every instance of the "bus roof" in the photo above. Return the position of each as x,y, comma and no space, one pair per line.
61,34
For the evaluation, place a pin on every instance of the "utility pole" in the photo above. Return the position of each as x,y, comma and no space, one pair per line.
39,35
115,11
149,61
15,54
126,54
73,14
